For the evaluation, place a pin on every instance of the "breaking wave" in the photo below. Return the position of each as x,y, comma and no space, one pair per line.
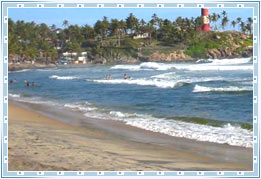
20,71
143,82
81,106
227,134
209,64
199,88
161,81
14,95
63,77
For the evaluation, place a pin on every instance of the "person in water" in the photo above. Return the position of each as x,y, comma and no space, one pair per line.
108,77
125,76
13,80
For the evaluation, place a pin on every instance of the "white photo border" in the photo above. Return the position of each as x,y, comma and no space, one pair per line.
5,5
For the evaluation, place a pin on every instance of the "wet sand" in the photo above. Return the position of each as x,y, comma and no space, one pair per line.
46,139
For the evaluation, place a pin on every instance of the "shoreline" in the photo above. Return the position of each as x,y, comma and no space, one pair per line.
22,66
141,149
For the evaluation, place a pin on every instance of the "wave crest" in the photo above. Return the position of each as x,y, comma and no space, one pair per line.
143,82
199,88
63,77
228,134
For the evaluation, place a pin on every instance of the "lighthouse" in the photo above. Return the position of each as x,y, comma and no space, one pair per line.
205,16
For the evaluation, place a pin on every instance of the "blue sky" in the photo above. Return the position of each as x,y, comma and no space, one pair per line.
82,16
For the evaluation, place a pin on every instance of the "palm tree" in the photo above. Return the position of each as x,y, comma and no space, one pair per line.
224,22
132,23
224,13
249,25
249,28
239,20
105,26
214,18
142,25
218,17
234,23
243,27
250,20
149,28
87,32
115,29
65,23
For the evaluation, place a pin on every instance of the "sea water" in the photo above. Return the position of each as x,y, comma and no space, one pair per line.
208,100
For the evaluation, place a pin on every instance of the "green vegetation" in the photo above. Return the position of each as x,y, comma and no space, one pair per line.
115,39
214,123
247,126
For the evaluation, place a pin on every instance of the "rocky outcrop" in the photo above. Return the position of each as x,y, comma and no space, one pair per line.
236,47
230,52
174,56
14,67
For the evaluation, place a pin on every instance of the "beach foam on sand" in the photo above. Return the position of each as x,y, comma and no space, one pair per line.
37,142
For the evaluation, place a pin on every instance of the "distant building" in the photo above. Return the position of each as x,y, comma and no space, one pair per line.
81,60
141,36
76,58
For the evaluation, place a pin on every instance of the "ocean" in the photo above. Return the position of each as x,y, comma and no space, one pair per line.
208,100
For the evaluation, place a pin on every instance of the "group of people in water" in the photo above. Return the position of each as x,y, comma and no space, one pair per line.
32,84
27,83
125,76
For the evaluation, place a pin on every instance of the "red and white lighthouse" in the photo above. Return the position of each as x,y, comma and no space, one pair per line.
205,16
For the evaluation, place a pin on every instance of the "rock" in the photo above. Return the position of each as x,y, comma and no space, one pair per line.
174,56
244,36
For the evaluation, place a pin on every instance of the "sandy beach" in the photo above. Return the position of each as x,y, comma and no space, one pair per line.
38,142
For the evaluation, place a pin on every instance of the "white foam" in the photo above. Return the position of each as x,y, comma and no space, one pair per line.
169,75
47,69
199,88
127,67
143,82
227,134
156,66
19,71
160,81
82,107
230,61
212,64
218,65
33,100
145,66
63,77
204,67
14,95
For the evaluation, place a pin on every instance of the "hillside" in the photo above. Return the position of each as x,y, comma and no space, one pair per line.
217,45
129,41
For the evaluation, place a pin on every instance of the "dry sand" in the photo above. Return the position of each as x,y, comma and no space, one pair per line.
37,142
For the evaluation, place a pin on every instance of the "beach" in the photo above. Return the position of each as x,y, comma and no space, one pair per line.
38,141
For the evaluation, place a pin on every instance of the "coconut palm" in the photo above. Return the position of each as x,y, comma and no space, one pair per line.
224,22
65,23
234,23
242,27
214,18
249,25
224,13
132,23
239,20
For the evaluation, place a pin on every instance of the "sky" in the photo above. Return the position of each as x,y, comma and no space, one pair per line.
83,16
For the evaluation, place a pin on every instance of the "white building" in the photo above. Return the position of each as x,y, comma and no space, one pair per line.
141,36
